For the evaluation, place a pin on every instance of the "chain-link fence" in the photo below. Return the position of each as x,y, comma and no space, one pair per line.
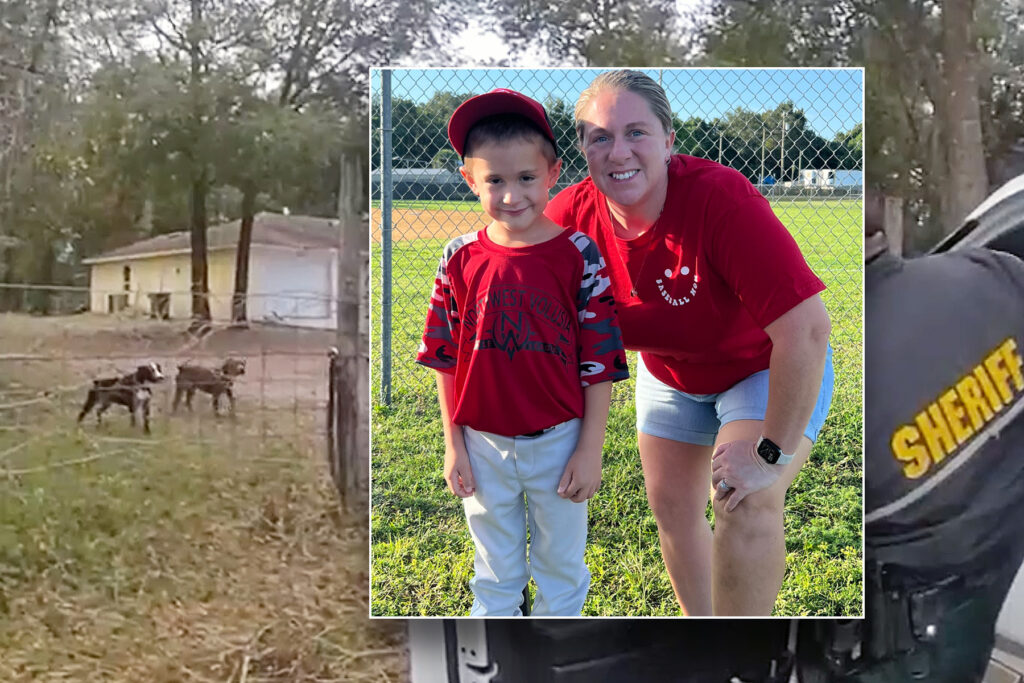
796,134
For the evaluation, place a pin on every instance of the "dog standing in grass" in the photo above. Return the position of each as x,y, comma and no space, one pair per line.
213,381
131,391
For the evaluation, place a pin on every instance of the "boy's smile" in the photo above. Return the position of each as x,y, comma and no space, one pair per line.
512,179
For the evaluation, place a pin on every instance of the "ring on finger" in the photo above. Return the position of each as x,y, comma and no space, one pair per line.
722,486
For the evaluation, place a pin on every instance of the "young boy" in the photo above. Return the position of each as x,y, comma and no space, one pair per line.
523,333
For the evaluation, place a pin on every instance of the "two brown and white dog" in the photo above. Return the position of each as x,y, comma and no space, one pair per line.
133,390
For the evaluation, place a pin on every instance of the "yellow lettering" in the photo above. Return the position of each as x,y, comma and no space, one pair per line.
978,410
906,449
955,415
1000,376
1013,362
961,411
936,433
986,386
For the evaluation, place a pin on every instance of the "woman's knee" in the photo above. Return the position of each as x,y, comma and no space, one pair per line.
759,510
676,478
672,506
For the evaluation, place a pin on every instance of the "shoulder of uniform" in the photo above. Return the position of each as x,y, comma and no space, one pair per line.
586,246
458,243
995,263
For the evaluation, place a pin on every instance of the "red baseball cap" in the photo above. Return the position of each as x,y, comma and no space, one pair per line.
498,101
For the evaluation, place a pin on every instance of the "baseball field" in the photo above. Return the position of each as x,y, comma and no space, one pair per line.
421,551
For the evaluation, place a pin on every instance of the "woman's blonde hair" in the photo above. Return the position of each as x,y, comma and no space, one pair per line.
635,82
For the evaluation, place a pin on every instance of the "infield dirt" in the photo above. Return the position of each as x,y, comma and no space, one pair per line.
414,224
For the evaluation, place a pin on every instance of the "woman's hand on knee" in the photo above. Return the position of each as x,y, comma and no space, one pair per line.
737,471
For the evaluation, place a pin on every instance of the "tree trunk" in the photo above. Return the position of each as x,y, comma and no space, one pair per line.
200,278
238,309
968,177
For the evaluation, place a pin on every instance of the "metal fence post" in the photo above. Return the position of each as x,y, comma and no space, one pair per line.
385,214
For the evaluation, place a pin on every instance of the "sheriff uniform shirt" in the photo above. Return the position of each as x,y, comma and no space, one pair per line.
944,407
523,329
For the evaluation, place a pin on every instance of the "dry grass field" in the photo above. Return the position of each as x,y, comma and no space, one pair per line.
213,549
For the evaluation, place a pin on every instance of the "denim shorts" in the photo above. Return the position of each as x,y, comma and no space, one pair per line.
668,413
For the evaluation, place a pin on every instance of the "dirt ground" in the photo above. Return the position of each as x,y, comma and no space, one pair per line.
284,366
414,224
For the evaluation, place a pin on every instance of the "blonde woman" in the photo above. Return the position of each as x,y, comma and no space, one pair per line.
735,374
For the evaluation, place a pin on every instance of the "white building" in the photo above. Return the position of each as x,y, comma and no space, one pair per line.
293,273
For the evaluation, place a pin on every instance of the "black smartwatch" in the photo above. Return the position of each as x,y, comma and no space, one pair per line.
771,453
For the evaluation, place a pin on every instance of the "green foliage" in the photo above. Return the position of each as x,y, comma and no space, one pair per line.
419,138
446,159
595,32
796,33
114,123
901,44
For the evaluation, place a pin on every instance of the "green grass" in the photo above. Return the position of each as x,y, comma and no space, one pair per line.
422,553
437,205
191,554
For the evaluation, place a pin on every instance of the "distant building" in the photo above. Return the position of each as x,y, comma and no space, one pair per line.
827,177
422,184
293,273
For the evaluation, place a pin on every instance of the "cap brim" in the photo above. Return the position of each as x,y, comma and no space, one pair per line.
480,107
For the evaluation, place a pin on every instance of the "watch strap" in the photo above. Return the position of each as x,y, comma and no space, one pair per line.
784,458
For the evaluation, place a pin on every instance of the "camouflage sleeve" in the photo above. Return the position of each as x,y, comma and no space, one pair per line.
602,357
439,344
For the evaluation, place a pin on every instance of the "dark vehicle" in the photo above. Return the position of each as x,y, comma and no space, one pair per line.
601,650
998,223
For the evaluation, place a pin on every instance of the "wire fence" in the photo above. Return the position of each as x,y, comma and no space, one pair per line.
54,345
294,307
794,133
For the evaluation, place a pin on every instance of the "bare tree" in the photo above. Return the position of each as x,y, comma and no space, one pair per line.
968,178
197,224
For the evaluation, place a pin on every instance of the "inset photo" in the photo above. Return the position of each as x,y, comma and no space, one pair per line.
616,342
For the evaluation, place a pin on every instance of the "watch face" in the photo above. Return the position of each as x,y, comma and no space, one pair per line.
769,451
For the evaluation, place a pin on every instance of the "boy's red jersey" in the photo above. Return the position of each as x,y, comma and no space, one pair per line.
523,329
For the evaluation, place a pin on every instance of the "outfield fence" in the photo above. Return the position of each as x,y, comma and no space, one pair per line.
794,133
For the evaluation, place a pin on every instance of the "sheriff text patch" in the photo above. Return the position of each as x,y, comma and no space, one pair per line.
960,412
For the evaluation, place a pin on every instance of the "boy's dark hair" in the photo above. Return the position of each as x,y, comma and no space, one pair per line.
506,128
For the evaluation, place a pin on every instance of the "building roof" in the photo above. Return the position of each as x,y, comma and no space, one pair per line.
271,229
420,175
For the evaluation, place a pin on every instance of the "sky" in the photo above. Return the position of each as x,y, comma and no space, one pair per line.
831,99
479,45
